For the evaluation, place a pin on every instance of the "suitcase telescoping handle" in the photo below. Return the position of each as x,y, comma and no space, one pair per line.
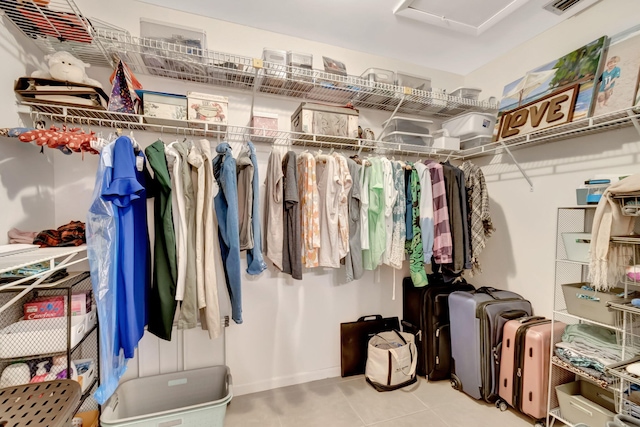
529,319
370,317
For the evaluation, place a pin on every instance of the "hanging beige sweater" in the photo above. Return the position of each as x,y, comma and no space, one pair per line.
607,261
273,209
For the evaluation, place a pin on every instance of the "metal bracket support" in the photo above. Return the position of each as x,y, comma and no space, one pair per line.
524,174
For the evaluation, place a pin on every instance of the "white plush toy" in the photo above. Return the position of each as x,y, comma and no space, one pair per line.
67,68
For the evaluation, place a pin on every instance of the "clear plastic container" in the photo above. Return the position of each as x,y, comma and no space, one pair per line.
406,124
275,62
413,81
467,93
379,75
418,139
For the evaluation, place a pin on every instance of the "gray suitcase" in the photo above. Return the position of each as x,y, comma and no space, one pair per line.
476,320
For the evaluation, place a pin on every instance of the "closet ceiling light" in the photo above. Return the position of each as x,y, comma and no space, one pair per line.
474,17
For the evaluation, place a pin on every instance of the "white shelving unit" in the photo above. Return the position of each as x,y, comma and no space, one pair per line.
579,219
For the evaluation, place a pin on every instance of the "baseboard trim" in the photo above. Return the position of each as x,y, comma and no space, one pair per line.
304,377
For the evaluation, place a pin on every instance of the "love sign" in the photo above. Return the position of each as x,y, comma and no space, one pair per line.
552,110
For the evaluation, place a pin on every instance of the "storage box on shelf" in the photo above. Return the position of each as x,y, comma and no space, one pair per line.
584,402
264,126
470,125
332,123
163,108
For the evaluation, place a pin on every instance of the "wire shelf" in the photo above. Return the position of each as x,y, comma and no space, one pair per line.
160,58
13,262
90,117
57,25
587,126
556,414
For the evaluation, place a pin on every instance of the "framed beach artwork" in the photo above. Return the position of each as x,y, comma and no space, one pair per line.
582,66
617,86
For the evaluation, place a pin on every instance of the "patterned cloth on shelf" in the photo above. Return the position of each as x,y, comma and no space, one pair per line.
72,234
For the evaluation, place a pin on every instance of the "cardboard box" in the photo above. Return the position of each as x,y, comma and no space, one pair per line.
206,108
265,126
55,306
44,308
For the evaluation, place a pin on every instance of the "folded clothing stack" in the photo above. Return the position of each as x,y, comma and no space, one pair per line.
590,348
31,270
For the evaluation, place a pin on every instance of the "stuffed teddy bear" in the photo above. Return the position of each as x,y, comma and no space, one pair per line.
67,68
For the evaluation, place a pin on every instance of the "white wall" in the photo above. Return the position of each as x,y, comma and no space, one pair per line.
520,256
26,176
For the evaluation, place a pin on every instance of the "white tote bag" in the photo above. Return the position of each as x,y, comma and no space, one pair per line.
391,360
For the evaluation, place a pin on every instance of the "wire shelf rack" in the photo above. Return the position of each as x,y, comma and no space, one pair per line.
57,25
160,58
100,118
587,126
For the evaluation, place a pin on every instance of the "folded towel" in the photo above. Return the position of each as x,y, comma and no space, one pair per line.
19,236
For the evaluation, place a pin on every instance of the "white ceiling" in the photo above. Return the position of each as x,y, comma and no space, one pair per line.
371,26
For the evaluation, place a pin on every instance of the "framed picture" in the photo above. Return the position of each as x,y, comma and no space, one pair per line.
617,85
582,66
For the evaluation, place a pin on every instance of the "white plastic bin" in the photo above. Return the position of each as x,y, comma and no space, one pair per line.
470,125
194,398
467,93
577,246
43,336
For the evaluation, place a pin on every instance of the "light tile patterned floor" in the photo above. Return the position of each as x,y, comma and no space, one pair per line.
351,402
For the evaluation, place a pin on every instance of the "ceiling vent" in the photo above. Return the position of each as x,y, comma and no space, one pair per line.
560,7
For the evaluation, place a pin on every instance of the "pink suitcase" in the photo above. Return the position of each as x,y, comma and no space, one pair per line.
524,364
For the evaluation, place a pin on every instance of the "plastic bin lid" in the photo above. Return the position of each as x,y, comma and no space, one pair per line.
408,119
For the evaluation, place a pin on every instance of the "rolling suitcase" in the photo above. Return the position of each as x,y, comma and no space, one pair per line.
425,313
477,319
524,365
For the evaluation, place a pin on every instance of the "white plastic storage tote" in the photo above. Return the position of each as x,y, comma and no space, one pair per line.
470,125
194,398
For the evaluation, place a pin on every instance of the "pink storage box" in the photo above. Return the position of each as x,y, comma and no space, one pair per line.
265,126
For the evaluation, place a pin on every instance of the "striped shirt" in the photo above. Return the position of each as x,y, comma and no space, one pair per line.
442,243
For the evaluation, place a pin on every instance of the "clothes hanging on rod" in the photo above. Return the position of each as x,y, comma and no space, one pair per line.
292,242
273,209
255,260
398,236
345,182
309,209
329,193
186,291
376,210
414,246
226,206
442,243
127,193
480,225
457,207
102,252
162,296
390,196
353,260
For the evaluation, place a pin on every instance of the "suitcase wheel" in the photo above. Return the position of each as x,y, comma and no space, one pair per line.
502,405
455,382
541,423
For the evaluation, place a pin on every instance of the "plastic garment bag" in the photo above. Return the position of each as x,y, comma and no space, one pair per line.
101,232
